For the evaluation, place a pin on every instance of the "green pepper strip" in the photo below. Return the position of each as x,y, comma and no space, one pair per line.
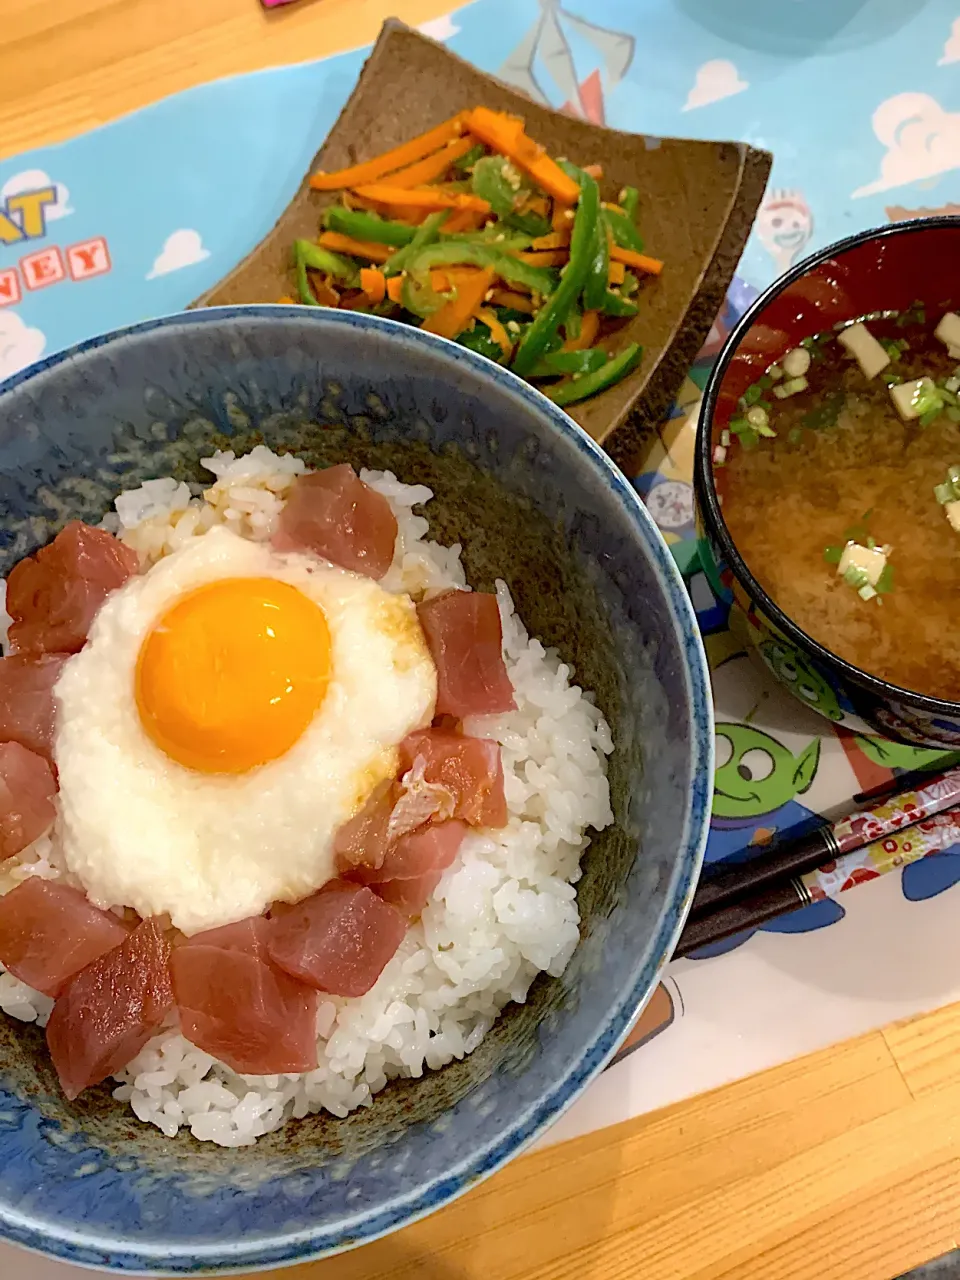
614,305
629,201
558,305
451,253
592,383
624,233
556,363
531,224
595,285
317,258
367,226
490,183
426,233
494,235
303,282
466,163
478,339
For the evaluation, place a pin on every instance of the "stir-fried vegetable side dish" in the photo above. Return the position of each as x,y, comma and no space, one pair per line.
839,474
475,233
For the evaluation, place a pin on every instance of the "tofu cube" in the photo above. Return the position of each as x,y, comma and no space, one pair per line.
863,346
948,330
907,395
871,560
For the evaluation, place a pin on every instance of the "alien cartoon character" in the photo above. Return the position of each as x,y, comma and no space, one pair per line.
803,679
938,871
755,805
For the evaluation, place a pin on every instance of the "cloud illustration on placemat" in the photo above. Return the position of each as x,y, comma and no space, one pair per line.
922,141
36,180
19,344
183,248
443,28
951,50
714,80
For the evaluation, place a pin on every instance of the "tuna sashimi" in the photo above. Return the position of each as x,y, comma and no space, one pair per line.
463,632
431,848
410,868
338,939
335,515
107,1013
468,769
27,708
49,932
237,1005
411,895
53,596
27,788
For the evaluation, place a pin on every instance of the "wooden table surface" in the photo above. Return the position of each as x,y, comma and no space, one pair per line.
842,1165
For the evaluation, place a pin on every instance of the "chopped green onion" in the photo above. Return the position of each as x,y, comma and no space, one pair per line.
833,555
725,437
867,592
774,373
752,395
791,387
854,576
929,418
757,417
891,379
884,583
719,455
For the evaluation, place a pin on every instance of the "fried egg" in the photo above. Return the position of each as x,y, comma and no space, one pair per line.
231,709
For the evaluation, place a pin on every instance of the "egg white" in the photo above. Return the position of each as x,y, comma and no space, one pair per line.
143,831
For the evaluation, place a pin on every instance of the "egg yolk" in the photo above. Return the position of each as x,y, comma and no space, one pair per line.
232,674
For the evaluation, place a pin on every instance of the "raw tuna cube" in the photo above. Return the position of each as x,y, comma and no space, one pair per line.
237,1005
337,940
49,932
335,515
410,895
109,1010
53,596
431,848
363,840
27,788
463,632
470,769
27,708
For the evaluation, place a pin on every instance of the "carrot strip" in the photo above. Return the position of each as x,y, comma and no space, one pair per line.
617,273
285,301
324,291
432,167
407,153
358,248
589,328
454,316
506,134
515,301
555,240
421,198
562,219
594,170
652,266
463,220
395,288
373,283
536,204
551,258
497,332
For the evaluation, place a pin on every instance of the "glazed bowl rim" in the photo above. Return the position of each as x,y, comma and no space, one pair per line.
706,490
401,1209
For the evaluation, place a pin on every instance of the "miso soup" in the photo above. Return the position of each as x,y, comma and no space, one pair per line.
839,478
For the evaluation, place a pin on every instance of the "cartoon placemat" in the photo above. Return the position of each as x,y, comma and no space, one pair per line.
138,218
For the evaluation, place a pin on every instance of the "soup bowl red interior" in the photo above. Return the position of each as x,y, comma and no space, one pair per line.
883,270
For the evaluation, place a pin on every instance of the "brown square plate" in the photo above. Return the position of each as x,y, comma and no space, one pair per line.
697,204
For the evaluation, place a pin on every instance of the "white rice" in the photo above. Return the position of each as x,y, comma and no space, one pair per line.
503,912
